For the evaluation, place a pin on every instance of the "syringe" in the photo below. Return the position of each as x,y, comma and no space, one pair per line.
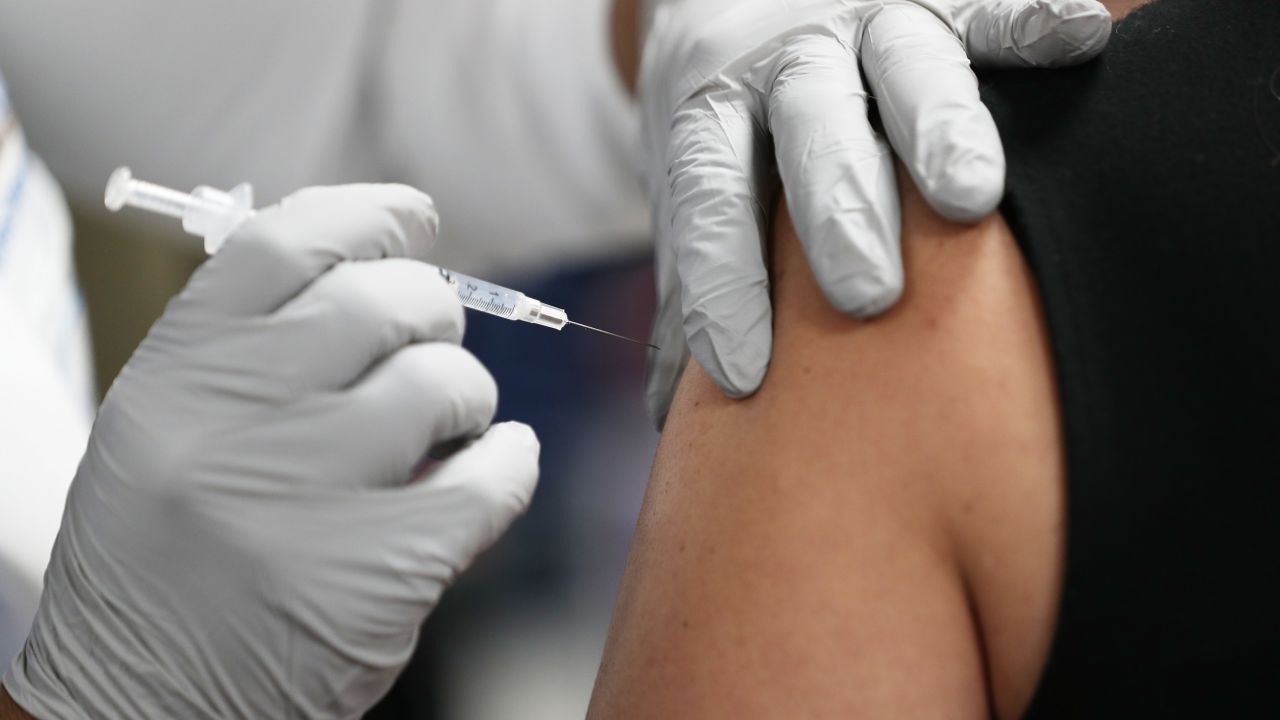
214,214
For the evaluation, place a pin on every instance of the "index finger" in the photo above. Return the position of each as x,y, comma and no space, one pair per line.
928,99
281,250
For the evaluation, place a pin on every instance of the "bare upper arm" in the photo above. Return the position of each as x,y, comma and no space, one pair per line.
877,532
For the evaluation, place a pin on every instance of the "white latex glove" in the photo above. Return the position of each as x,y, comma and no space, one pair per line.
719,78
248,534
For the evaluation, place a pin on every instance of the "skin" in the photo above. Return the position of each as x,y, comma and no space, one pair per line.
878,532
9,710
625,35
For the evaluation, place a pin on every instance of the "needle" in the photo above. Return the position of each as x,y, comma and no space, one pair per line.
620,337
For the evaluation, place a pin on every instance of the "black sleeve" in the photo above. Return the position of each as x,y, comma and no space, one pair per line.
1144,190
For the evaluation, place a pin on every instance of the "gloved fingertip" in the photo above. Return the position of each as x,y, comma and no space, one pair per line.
740,386
423,207
1053,33
967,189
413,212
506,469
432,220
866,294
737,364
516,434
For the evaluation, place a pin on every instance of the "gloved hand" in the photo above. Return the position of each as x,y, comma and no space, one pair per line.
250,533
719,77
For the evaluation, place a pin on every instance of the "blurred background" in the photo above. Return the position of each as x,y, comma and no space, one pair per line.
522,633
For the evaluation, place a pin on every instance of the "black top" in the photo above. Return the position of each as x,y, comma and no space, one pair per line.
1144,189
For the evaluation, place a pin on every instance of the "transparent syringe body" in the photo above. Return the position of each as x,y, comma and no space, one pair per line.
215,214
487,297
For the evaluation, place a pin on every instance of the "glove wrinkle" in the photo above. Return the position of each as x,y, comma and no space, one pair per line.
1037,33
733,356
1053,34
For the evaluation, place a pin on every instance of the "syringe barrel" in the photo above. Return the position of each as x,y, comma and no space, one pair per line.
492,299
158,199
214,214
483,296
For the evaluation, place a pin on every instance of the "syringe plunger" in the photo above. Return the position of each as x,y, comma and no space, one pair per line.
208,212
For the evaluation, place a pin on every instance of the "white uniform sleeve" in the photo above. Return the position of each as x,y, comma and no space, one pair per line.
43,430
188,92
46,390
506,111
511,114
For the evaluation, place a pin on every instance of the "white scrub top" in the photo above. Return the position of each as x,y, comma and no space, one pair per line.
46,391
508,112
